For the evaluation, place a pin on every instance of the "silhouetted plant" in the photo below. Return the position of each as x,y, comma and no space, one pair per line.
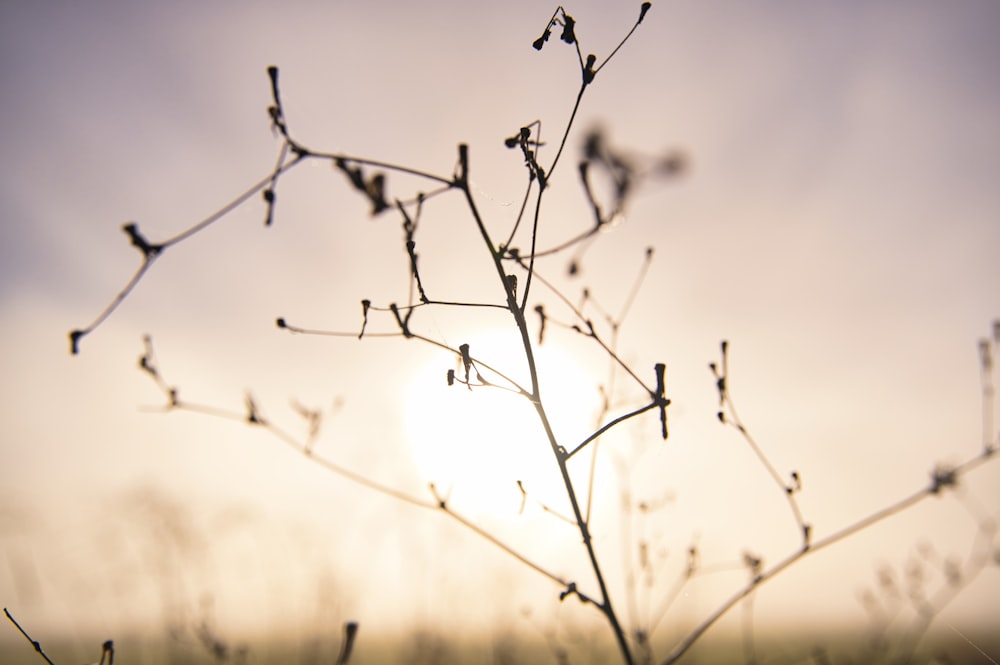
517,279
107,647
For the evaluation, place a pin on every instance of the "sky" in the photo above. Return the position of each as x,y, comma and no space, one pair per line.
836,222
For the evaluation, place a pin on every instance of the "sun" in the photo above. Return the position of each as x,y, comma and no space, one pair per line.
481,447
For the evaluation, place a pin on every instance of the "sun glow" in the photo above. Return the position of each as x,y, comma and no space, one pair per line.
476,445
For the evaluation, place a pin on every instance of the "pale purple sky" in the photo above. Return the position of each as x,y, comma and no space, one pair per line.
840,225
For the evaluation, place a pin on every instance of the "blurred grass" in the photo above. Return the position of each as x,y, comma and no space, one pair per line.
948,646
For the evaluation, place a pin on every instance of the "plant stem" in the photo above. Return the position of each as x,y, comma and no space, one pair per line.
605,605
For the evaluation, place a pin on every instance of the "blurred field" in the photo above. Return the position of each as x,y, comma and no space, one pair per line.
948,646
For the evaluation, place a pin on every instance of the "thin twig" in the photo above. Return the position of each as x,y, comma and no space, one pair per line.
34,643
888,511
604,428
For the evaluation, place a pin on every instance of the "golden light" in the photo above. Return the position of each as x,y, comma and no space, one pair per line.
476,444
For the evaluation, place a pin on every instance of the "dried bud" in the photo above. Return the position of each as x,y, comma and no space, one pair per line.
588,69
354,174
74,341
753,563
139,241
642,10
253,418
540,310
463,162
568,35
660,397
466,359
365,304
375,189
512,284
943,477
269,199
540,42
